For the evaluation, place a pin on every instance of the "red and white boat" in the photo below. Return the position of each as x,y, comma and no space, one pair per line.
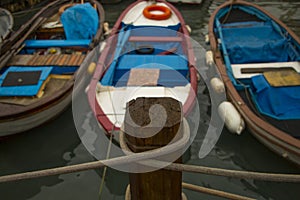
148,54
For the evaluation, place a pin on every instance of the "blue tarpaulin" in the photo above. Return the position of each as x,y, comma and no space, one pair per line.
80,22
258,43
278,102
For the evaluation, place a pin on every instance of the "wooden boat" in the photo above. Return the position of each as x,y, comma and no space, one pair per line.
6,24
147,55
39,61
258,58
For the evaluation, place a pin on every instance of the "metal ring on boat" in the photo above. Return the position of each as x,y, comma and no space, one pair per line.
147,12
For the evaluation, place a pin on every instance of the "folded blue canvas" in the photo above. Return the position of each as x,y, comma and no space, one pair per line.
80,22
278,102
23,81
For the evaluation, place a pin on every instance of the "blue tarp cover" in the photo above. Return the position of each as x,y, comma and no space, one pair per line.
278,102
80,22
260,43
27,90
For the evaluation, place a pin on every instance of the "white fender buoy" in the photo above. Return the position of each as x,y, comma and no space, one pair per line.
102,46
106,29
217,85
188,28
233,120
207,39
198,77
209,58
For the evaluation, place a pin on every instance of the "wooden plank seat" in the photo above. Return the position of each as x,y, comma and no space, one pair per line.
241,71
47,60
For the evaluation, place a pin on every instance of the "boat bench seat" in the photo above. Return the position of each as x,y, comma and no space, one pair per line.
163,62
47,60
33,44
173,69
241,71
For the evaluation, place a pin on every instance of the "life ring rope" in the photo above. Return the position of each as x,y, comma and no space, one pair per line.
166,12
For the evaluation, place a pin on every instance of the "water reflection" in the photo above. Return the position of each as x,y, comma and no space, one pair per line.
57,143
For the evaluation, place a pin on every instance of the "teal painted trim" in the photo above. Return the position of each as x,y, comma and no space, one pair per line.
56,43
225,53
108,76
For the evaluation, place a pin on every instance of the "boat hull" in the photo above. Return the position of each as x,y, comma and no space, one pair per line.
35,118
111,114
45,51
272,137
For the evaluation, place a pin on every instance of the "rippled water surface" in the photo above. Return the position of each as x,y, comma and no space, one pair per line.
57,143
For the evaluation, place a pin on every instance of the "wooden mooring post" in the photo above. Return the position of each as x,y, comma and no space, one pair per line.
161,184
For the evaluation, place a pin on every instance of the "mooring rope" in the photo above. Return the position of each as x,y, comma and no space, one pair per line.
105,167
273,177
200,189
214,192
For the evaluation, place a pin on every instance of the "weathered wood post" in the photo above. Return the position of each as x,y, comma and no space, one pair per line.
161,184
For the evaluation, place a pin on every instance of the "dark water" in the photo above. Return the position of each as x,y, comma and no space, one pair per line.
57,143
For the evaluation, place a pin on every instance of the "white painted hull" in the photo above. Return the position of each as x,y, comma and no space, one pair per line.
26,123
113,100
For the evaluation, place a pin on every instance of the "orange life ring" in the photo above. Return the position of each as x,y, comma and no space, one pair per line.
147,12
